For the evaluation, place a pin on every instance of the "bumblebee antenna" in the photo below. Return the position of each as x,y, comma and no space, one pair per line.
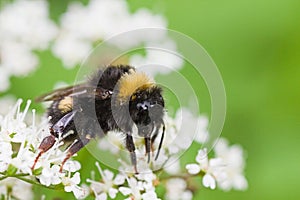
161,140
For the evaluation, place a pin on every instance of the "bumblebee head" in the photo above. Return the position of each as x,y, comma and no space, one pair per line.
139,95
144,100
146,108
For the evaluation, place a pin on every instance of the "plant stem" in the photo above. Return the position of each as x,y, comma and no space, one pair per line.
22,177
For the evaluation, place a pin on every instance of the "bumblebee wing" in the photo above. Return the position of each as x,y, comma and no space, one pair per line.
59,93
82,90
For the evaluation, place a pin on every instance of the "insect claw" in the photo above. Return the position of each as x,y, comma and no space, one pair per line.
64,161
36,159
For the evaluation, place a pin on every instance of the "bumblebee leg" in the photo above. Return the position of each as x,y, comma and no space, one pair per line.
161,140
62,123
147,146
74,149
131,148
45,145
153,138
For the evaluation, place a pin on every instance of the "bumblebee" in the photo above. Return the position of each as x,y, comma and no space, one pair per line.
114,98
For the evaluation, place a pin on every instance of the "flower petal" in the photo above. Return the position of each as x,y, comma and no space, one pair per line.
201,158
112,192
209,181
193,168
108,174
240,182
119,180
72,166
125,190
78,192
102,196
76,178
151,195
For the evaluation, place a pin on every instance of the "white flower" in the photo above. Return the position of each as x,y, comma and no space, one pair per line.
147,176
71,185
183,129
202,134
23,161
24,27
140,186
226,169
27,22
51,176
83,25
212,168
162,59
4,78
150,195
14,123
112,142
71,50
6,102
180,133
209,181
72,166
134,189
19,189
202,163
5,155
142,18
173,165
98,20
15,130
107,186
101,20
14,54
234,165
176,190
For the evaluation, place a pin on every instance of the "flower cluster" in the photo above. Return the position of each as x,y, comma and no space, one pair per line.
13,188
226,169
24,27
141,186
181,131
177,189
82,26
20,142
19,148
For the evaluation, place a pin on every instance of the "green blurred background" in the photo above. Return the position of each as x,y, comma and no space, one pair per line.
256,46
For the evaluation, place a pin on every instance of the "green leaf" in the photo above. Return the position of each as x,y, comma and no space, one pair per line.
11,170
31,148
37,171
12,135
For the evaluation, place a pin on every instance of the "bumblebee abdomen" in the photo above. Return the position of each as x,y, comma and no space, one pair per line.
55,112
65,105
